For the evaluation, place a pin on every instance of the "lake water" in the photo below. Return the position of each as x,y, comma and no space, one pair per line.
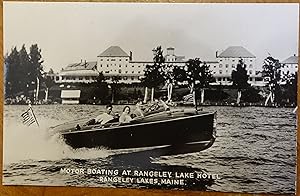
255,151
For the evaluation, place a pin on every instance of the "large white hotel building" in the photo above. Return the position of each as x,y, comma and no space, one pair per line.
114,61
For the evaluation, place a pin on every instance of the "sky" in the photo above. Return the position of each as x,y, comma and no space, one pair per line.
69,32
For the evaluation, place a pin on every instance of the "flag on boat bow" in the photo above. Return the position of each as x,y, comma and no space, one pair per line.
28,117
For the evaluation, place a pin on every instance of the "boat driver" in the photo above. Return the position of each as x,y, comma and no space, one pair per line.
105,117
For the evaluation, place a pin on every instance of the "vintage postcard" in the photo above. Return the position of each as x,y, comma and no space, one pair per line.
147,95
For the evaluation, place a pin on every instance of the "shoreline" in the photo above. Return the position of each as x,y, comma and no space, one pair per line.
181,104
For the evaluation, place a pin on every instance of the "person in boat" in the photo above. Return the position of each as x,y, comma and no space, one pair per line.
139,110
125,116
103,118
157,106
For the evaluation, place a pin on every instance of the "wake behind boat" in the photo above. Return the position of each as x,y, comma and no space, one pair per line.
186,129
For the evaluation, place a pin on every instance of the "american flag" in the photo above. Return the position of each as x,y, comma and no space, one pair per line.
29,117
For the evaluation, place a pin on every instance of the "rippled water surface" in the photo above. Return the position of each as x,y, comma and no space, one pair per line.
255,151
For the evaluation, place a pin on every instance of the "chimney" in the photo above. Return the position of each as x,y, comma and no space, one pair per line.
130,56
170,51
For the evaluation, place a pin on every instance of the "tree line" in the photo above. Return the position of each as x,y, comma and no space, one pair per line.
197,76
24,71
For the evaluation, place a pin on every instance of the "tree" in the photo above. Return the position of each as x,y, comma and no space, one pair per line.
153,73
36,69
290,88
114,87
36,62
22,70
240,78
100,89
272,73
13,76
204,79
169,77
48,82
197,75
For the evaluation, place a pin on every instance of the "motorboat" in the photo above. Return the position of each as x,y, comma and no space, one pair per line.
185,129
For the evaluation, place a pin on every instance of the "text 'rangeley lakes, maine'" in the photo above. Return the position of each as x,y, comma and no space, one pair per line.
168,96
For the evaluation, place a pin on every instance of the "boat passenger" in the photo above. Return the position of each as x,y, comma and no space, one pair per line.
139,111
105,117
125,116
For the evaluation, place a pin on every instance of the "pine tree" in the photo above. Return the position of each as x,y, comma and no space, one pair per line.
36,62
12,65
240,78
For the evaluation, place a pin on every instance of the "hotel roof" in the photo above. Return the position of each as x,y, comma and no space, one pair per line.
291,60
236,52
113,51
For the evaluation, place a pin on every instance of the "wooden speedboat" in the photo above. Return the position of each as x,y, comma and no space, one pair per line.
175,128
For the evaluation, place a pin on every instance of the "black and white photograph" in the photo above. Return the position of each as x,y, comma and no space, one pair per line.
179,96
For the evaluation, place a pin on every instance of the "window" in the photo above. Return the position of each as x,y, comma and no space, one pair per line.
226,65
132,78
250,60
63,78
233,60
139,72
221,60
86,77
126,71
250,66
57,78
101,59
250,72
215,66
296,66
120,59
119,65
101,65
233,66
220,71
107,59
132,66
132,71
113,60
120,71
220,66
226,71
80,78
107,65
125,78
125,65
126,59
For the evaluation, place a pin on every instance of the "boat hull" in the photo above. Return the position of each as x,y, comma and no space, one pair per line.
175,130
